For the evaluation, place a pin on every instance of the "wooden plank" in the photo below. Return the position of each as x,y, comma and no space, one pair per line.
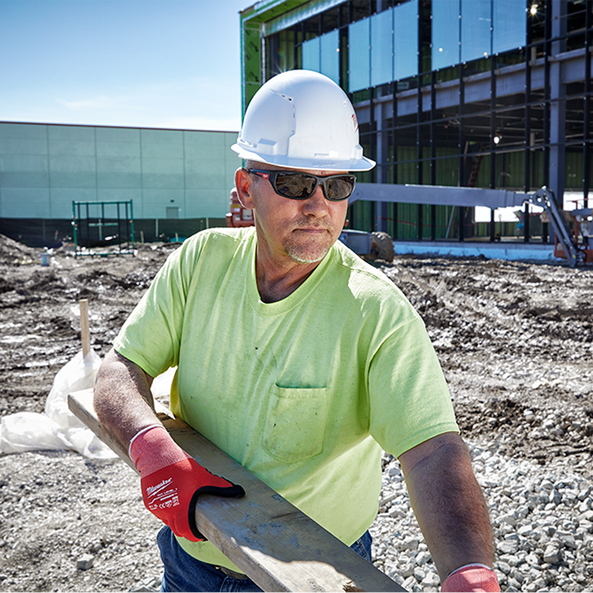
276,545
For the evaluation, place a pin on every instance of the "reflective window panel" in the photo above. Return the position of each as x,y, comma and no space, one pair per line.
405,41
359,55
475,29
382,48
445,33
509,30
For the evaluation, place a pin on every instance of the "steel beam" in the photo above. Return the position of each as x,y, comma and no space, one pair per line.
437,195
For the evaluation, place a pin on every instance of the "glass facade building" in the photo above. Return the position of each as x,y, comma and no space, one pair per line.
474,93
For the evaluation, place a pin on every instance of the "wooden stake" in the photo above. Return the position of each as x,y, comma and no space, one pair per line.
85,334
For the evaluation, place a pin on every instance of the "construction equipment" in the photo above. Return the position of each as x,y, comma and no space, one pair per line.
580,228
375,245
573,244
570,244
275,544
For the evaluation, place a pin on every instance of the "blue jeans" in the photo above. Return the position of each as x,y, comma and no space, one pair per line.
184,573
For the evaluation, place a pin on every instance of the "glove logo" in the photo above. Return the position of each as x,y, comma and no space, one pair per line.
152,489
162,495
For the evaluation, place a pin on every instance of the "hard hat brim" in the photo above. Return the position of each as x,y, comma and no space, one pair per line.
320,164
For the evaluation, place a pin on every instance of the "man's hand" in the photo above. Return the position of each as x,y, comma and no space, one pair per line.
473,577
171,481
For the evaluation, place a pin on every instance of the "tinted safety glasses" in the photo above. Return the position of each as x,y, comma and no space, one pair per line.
301,186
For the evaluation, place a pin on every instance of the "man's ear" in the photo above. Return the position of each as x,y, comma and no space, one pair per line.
244,185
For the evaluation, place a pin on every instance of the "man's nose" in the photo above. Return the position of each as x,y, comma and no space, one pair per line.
317,203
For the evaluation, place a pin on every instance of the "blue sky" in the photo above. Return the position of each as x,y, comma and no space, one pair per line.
140,63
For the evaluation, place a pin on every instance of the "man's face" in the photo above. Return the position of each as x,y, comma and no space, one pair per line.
300,230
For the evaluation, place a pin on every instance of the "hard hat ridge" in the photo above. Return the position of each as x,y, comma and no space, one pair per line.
303,120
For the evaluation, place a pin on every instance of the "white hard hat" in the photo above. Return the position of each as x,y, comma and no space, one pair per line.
302,120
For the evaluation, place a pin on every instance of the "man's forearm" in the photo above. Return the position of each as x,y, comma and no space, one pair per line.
448,503
123,400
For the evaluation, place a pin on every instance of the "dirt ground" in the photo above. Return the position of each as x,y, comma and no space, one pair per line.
515,340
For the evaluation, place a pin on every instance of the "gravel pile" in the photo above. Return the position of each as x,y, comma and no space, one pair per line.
542,518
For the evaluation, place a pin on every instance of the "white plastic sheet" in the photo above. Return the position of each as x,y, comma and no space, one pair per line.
27,431
57,428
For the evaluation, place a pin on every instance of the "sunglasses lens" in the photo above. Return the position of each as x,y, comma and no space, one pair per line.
300,186
295,185
340,188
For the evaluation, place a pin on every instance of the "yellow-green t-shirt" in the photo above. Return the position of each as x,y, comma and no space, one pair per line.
304,392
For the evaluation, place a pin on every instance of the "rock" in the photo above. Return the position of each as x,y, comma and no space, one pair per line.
532,559
536,585
410,543
511,519
517,575
419,573
422,558
552,555
407,570
144,589
549,530
148,585
85,562
568,541
398,511
508,547
431,580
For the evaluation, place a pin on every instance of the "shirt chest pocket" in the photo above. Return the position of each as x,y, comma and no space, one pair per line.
295,425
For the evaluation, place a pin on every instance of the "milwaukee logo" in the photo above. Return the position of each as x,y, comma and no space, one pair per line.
156,489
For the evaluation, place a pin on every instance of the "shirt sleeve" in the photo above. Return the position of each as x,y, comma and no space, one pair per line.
408,395
151,336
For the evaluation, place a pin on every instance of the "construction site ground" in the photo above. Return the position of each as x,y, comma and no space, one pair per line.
515,340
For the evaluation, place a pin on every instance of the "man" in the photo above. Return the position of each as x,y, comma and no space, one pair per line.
295,357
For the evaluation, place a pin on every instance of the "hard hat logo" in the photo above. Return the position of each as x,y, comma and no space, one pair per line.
302,120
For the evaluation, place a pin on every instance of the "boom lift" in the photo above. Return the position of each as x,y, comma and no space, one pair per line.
572,244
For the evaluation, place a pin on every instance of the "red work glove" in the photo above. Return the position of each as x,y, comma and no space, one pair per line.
171,481
472,577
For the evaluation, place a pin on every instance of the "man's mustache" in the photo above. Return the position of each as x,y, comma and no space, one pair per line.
312,225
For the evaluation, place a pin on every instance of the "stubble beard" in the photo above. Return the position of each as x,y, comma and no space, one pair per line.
307,256
308,251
